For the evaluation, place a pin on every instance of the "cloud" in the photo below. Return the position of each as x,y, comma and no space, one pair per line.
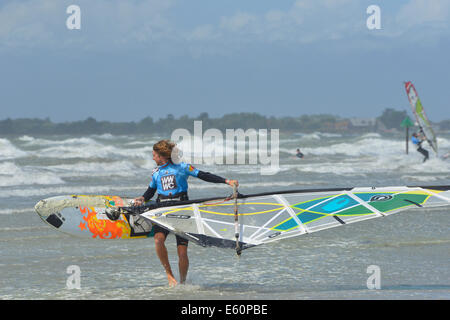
202,33
118,24
25,23
305,21
238,22
339,23
419,22
420,12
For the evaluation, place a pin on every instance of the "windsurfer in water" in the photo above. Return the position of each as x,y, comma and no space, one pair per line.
417,140
169,181
299,154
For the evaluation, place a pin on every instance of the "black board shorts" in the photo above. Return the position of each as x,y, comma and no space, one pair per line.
180,240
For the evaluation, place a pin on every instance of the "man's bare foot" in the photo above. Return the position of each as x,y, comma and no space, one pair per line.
172,281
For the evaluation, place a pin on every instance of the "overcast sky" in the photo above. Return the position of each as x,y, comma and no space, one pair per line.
138,58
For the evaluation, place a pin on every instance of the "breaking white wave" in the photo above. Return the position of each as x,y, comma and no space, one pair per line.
69,189
13,175
26,138
420,178
9,151
95,169
82,141
363,147
14,211
55,161
93,150
370,135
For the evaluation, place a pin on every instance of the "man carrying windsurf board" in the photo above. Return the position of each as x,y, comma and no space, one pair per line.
169,181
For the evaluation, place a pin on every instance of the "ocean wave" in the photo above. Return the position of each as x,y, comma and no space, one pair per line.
368,146
31,141
400,164
317,135
311,136
12,175
69,189
371,144
93,150
136,190
95,169
9,151
370,135
413,243
252,185
105,146
123,147
26,138
129,156
331,168
107,136
420,178
14,211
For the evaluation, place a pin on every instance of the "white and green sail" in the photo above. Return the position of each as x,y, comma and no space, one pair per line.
420,115
272,216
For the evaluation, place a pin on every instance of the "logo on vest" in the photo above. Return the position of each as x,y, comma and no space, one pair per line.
169,182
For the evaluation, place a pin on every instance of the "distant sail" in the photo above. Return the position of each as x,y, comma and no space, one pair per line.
420,115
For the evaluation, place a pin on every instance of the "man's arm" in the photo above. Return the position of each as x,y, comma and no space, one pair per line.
209,177
148,194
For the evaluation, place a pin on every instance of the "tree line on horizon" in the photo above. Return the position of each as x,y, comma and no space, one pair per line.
388,120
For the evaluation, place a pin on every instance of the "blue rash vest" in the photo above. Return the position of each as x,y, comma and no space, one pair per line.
171,179
415,141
